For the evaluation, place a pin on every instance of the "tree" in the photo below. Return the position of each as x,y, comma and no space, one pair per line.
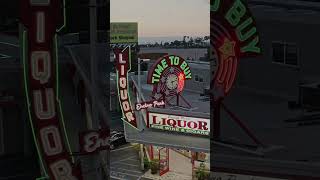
176,43
190,43
184,42
198,41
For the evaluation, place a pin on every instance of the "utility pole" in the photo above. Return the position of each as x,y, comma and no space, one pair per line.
140,117
93,60
93,123
140,61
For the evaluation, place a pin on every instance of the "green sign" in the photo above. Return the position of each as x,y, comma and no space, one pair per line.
158,69
124,32
234,15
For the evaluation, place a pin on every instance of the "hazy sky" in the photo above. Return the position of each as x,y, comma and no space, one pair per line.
157,18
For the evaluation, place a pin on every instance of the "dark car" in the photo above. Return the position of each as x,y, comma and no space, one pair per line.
117,139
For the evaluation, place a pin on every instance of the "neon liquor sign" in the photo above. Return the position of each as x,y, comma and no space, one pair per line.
178,123
123,65
233,34
40,19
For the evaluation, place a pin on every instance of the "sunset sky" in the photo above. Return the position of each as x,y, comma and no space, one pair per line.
163,18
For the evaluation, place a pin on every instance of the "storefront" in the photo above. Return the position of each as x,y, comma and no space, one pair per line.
194,162
172,119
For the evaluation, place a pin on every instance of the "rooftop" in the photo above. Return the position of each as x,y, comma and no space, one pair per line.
286,10
265,115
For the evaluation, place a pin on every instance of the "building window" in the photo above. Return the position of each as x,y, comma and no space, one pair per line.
285,53
198,78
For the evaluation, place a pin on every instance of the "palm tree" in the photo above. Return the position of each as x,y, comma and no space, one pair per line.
184,42
199,41
190,42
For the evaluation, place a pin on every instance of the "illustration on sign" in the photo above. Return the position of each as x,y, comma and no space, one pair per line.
168,75
233,34
40,62
123,66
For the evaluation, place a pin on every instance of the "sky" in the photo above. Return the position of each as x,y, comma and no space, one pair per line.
164,18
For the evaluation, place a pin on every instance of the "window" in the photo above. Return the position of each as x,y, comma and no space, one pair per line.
196,78
285,53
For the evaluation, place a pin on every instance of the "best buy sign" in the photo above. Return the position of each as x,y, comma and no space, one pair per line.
236,17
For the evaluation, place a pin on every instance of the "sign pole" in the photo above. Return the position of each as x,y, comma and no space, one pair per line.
140,118
178,99
216,118
139,77
93,65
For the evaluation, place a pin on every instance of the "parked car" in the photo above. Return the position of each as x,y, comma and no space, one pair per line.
117,139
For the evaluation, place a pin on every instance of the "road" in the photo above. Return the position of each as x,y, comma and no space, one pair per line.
125,164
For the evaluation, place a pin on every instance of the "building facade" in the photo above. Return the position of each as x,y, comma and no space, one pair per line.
164,143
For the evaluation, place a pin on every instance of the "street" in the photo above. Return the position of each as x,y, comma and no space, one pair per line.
125,164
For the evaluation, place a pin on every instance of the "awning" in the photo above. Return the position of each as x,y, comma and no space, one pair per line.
167,139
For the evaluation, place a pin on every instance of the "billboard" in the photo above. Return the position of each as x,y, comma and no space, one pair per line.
177,123
123,32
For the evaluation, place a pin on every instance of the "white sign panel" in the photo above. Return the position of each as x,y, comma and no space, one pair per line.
184,124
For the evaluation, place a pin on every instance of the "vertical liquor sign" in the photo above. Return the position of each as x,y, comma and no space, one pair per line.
123,65
40,19
124,35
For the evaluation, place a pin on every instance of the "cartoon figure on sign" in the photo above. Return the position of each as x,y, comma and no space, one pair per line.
233,34
168,75
227,67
